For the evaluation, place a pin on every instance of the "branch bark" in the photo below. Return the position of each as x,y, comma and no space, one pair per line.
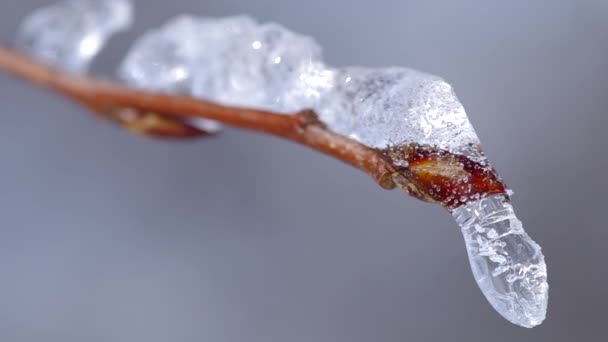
164,114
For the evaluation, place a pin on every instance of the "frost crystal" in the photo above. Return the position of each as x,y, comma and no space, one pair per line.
69,34
508,265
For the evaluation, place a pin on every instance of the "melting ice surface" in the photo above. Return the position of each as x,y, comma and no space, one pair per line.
237,61
71,33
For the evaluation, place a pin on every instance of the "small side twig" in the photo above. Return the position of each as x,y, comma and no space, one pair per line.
107,98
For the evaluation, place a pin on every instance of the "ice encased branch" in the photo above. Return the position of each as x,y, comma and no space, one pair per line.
237,61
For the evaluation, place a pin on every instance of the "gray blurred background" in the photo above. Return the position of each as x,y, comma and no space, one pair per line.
106,236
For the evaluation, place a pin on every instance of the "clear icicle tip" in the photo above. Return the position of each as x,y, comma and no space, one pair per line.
69,34
507,264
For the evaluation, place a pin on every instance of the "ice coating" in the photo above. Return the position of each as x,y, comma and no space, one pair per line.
507,264
397,106
237,61
69,34
232,60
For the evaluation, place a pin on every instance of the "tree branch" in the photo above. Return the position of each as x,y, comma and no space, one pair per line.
424,172
160,111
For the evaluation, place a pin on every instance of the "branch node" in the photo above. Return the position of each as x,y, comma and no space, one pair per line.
308,117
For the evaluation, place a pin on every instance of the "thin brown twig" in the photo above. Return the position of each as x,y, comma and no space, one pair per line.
106,97
424,172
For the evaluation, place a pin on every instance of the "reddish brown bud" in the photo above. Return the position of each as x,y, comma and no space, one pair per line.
442,177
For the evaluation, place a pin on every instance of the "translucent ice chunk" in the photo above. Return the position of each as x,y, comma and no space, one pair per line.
237,61
168,59
258,72
71,33
231,60
172,58
397,106
507,264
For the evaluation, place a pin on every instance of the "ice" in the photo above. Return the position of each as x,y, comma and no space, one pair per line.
312,83
236,61
232,60
69,34
169,58
260,71
396,106
507,264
